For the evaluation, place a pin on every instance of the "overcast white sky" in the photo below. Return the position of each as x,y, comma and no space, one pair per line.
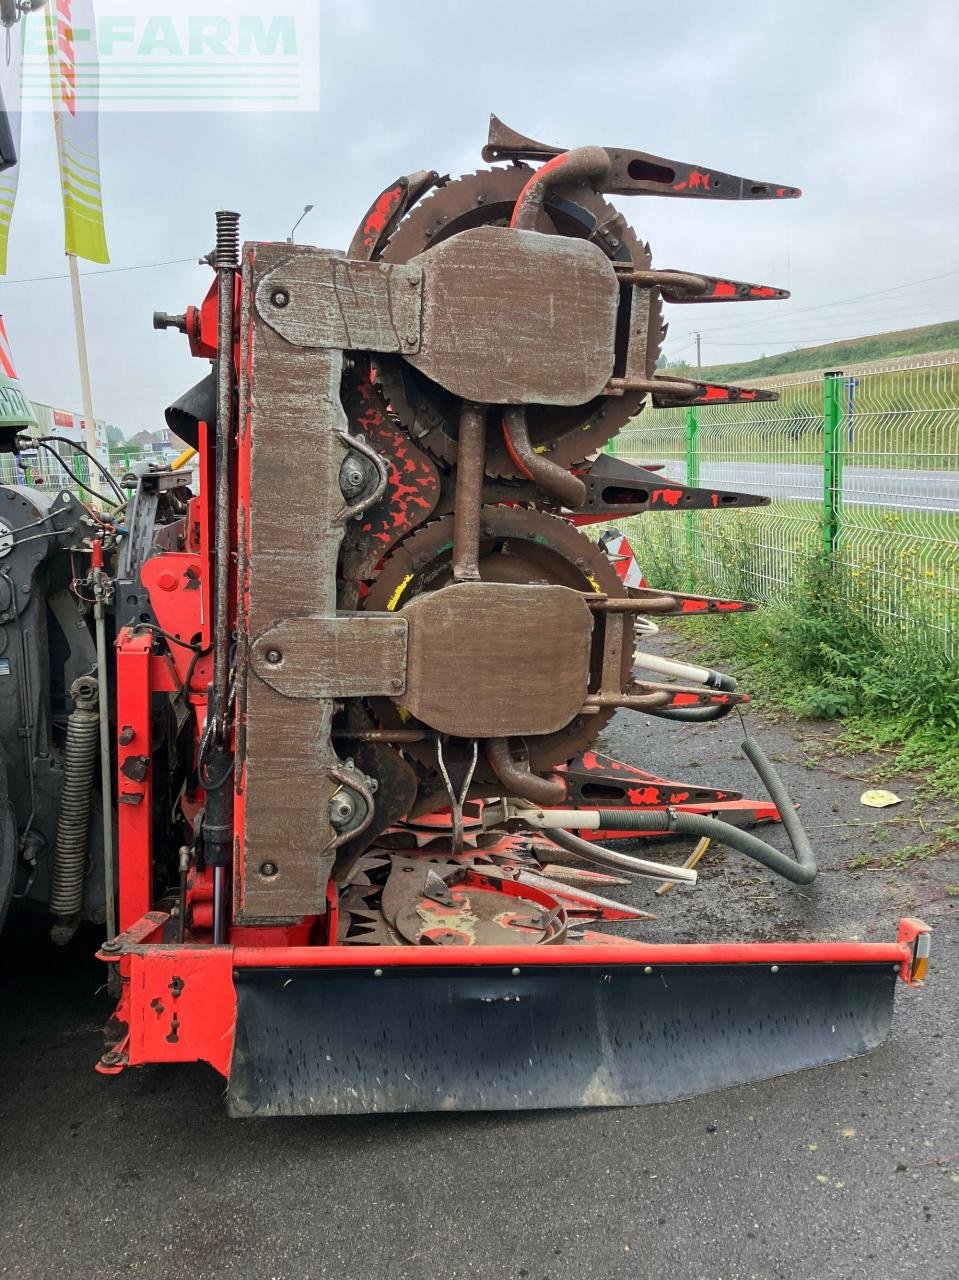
855,102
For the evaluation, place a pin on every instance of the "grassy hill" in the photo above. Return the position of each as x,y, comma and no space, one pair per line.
878,346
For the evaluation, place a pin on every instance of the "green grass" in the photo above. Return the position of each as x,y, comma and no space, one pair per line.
820,652
926,340
902,568
939,842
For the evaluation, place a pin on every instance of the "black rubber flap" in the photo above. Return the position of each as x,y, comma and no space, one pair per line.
341,1040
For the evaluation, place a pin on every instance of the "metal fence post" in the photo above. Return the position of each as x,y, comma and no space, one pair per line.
832,442
693,522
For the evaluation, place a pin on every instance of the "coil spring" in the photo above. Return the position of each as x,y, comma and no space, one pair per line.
73,821
227,239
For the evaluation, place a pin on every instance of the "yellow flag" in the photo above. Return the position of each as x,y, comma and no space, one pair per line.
73,79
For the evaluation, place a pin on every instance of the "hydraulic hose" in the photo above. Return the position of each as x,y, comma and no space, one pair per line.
590,852
692,715
800,870
685,670
787,811
73,821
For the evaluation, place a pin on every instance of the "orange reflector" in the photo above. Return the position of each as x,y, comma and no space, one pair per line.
920,957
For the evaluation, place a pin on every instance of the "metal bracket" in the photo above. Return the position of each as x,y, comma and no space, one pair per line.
348,656
320,299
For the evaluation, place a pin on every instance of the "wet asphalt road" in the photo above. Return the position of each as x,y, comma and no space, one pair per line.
845,1171
895,489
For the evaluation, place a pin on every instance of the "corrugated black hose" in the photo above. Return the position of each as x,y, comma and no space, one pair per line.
801,869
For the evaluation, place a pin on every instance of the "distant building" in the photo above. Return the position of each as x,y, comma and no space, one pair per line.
61,422
162,442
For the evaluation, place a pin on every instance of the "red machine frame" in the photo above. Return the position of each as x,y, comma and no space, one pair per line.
178,995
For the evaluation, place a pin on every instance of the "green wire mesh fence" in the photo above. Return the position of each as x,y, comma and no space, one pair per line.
862,467
39,469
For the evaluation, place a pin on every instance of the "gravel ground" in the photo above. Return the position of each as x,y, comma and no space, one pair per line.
845,1171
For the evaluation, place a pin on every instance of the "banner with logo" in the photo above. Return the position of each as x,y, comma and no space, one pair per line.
74,81
15,409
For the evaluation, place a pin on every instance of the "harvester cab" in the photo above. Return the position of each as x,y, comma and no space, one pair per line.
371,660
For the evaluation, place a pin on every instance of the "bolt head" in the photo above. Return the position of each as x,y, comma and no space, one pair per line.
268,869
279,298
273,656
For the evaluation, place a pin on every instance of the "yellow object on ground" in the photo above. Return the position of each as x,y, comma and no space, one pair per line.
691,861
878,799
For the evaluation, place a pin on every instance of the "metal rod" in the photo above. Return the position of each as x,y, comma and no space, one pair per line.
219,905
630,702
184,868
655,386
388,735
470,467
618,604
106,768
227,260
457,799
556,480
620,861
89,422
515,774
681,281
218,817
586,165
